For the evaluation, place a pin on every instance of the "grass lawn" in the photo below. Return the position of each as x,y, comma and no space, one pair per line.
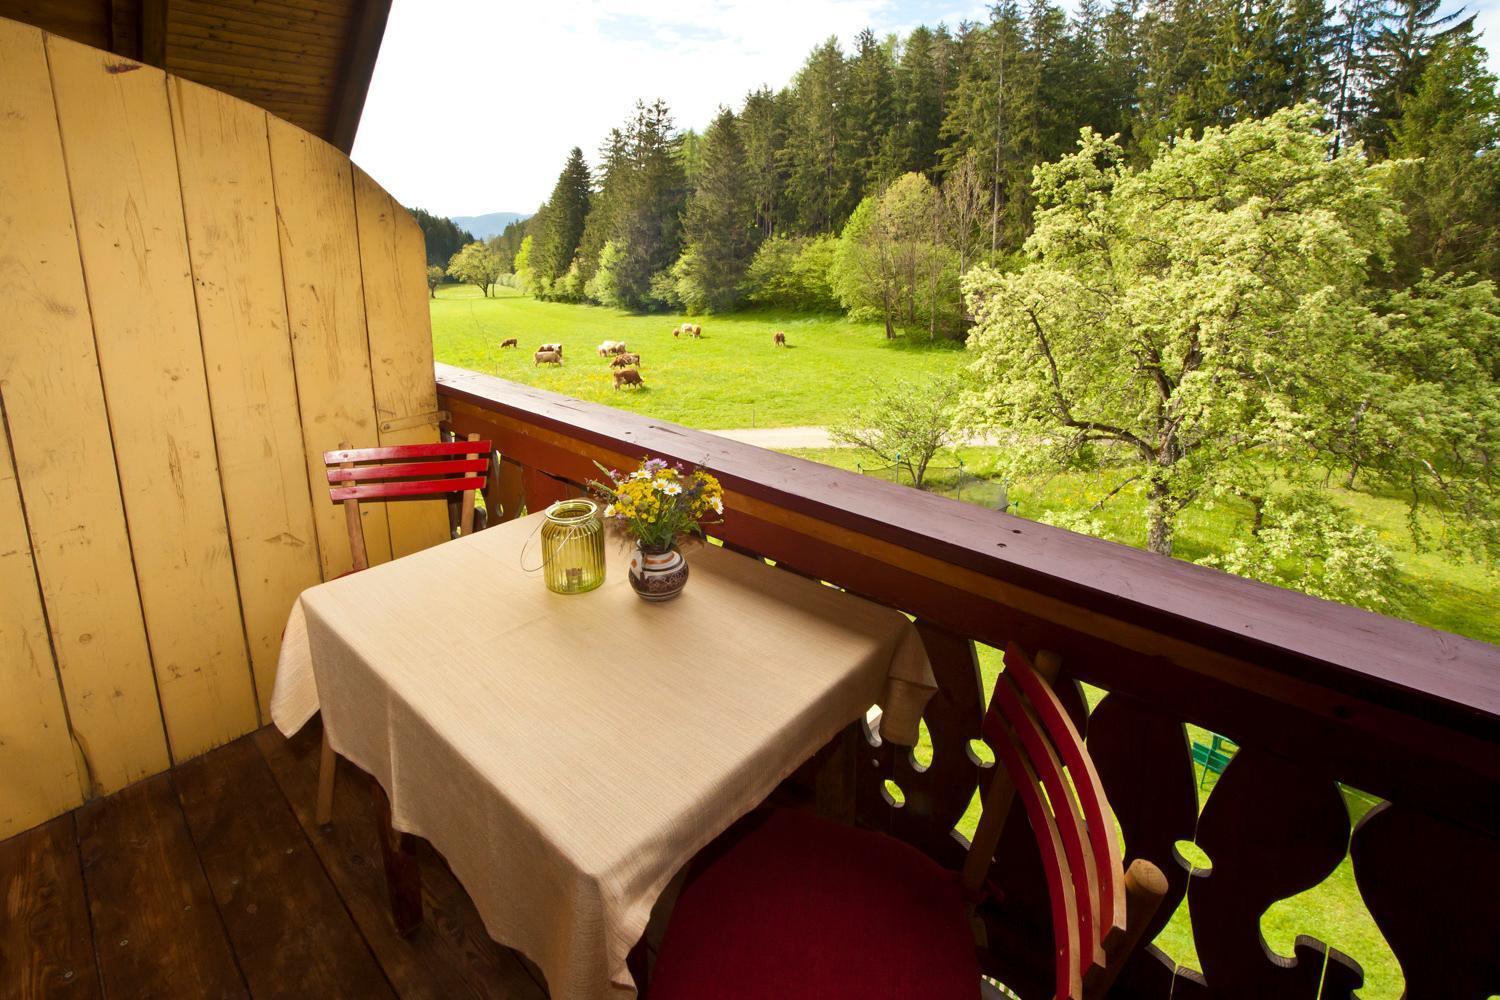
731,378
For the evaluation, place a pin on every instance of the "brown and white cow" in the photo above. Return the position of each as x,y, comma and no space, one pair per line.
628,376
509,342
625,361
546,358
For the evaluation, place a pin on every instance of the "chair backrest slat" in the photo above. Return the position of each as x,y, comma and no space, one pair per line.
406,488
1050,772
408,470
1064,809
1064,900
405,451
1098,815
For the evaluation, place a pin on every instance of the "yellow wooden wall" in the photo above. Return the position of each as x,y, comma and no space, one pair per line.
196,300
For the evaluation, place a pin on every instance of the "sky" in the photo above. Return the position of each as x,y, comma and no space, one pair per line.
474,104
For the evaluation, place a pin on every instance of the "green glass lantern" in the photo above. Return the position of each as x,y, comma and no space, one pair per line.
573,547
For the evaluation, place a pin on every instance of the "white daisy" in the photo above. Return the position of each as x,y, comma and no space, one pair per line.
609,511
640,474
718,505
670,489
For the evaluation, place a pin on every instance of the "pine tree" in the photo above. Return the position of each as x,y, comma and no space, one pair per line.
1399,48
868,115
648,218
762,129
719,226
566,211
817,186
918,101
604,206
1450,125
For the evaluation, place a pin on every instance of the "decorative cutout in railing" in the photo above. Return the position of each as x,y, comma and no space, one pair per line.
1314,693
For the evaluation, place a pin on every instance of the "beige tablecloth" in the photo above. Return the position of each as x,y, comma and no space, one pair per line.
568,755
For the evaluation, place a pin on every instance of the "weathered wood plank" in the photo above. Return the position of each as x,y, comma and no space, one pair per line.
39,774
49,377
288,929
122,170
157,931
325,307
46,947
393,260
229,205
450,955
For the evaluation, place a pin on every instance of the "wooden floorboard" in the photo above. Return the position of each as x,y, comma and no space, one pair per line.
46,947
285,921
450,955
213,880
157,932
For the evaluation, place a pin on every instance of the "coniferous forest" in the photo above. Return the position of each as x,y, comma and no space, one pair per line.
928,143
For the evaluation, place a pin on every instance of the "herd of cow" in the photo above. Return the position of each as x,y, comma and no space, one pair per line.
627,366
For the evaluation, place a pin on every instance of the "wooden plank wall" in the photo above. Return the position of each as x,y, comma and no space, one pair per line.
199,300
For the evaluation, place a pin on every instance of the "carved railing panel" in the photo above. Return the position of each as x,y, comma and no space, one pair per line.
1313,693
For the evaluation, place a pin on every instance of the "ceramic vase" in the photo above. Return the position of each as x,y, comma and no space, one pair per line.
657,574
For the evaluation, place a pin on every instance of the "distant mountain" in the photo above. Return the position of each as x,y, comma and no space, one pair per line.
485,226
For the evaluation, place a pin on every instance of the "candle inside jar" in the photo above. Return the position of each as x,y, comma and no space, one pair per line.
575,577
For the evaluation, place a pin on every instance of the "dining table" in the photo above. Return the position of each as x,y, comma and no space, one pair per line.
569,755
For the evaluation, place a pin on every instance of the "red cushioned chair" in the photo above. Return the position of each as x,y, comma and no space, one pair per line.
400,472
797,906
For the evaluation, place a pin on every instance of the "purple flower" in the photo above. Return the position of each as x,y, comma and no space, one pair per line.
655,465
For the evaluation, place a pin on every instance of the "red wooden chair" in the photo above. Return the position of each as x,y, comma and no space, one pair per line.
400,472
799,906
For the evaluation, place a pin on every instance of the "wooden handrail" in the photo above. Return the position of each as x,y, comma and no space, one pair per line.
1400,710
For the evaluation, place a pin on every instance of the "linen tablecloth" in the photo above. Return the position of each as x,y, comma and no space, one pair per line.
569,754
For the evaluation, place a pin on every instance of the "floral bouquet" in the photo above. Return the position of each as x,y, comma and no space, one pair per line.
660,502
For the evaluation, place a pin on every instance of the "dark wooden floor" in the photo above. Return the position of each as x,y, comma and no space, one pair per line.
213,881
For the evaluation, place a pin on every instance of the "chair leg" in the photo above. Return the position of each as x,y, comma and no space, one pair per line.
327,768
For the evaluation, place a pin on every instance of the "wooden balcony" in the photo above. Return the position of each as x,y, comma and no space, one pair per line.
216,875
1315,694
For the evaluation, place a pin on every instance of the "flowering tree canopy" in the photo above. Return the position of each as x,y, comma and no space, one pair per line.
1192,318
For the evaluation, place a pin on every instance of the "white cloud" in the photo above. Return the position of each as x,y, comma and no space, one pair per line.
474,104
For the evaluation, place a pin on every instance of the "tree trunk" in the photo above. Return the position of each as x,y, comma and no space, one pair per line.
1159,519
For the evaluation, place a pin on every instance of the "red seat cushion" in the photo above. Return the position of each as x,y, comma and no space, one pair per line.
802,907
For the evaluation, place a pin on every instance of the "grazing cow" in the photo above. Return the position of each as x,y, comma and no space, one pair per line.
511,342
625,361
677,330
554,348
546,358
612,347
778,339
695,330
628,376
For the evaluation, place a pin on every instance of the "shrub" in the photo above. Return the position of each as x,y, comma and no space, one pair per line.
791,272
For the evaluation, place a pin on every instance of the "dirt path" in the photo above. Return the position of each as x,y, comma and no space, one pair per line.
782,438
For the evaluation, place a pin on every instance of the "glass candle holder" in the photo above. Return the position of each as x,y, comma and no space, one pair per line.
573,547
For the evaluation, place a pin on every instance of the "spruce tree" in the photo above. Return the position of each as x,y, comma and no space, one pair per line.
868,115
763,129
1450,128
567,210
818,183
1407,32
648,218
719,227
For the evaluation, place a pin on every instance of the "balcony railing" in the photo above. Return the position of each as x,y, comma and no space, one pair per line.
1314,693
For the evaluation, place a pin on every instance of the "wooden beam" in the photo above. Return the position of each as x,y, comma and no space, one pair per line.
125,28
366,29
153,35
